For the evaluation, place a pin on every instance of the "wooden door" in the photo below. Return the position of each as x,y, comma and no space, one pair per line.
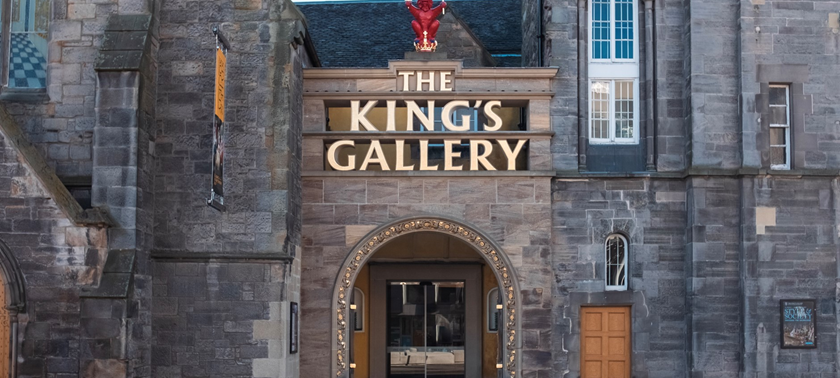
605,342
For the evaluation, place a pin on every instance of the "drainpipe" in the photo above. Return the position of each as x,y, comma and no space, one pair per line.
650,18
541,35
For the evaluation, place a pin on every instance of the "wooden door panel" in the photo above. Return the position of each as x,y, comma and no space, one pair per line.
616,321
605,342
593,321
593,369
616,369
616,346
593,346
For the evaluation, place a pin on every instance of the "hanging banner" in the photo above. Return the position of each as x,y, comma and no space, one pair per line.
217,199
799,323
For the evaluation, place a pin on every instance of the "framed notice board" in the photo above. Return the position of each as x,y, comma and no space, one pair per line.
799,323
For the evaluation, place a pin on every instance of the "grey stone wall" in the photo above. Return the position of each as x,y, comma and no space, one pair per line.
651,214
790,252
221,319
224,311
530,33
260,119
338,212
562,50
795,44
670,62
56,259
61,123
713,287
458,42
713,84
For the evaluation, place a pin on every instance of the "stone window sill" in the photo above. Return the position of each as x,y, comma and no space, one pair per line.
24,95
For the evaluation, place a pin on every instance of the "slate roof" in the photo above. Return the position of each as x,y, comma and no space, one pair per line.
369,34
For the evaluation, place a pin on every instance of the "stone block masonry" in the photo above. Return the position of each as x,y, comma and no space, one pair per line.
651,214
56,259
263,123
338,212
222,319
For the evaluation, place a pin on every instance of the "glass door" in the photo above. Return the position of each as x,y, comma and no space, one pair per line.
425,321
426,329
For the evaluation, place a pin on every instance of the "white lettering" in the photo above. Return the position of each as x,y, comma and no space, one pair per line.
333,159
444,81
357,116
488,111
511,155
476,158
406,75
375,148
446,116
424,156
392,115
449,155
428,121
421,81
401,157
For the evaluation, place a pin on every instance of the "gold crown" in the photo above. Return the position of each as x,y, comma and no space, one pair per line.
425,46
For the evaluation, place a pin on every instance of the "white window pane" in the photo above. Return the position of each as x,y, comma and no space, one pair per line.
624,109
600,116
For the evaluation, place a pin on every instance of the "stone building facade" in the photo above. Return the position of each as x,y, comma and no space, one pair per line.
699,138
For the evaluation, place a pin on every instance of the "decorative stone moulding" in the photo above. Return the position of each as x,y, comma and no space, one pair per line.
483,245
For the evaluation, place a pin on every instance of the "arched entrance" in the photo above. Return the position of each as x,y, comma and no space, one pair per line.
12,300
488,250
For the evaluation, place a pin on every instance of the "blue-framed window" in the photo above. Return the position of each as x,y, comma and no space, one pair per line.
613,30
601,34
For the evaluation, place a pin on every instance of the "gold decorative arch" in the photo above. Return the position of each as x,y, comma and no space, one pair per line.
488,249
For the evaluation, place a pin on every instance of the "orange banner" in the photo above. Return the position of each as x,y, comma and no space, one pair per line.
221,70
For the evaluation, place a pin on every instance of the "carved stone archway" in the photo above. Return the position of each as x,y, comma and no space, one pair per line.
13,300
482,244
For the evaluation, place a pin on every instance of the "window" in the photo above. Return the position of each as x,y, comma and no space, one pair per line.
613,111
357,310
779,127
494,309
27,54
613,73
613,30
456,117
616,263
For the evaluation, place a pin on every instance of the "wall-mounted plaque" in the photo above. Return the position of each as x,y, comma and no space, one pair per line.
799,323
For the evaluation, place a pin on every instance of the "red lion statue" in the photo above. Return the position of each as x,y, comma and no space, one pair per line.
425,24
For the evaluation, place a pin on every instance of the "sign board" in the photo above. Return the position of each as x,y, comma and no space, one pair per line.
217,186
470,134
799,323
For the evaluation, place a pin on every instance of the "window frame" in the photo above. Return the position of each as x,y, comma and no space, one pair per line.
786,127
614,70
7,92
612,21
612,139
626,263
